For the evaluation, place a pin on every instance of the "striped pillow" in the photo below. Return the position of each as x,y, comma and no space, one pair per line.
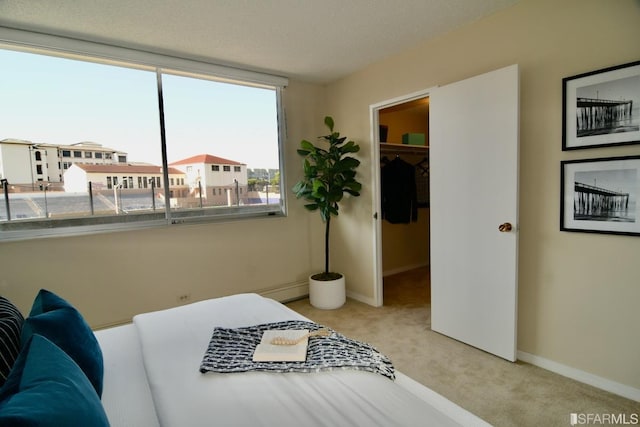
11,321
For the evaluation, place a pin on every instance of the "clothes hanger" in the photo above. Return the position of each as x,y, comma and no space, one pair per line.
424,161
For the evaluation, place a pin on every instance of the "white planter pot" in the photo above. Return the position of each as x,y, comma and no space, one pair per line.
327,295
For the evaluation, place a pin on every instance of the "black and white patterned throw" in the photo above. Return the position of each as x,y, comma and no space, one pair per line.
231,350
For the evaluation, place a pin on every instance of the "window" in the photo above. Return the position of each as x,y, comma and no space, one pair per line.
205,108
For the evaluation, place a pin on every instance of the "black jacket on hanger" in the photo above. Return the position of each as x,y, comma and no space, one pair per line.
399,197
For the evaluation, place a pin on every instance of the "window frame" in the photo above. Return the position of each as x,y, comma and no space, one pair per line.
39,43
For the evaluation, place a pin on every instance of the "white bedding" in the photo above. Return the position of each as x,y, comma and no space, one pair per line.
173,342
126,396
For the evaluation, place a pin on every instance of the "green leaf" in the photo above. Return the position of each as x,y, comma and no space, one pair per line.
347,163
353,186
317,184
308,169
307,146
350,147
328,121
338,140
297,187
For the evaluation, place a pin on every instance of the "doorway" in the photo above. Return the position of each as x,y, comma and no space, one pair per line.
473,171
401,162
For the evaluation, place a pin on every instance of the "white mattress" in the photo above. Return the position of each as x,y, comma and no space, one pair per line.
174,341
126,396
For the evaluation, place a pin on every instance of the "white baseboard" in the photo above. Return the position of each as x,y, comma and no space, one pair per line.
300,290
404,268
287,293
582,376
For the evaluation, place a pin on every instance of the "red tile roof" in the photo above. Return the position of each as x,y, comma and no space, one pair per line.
206,159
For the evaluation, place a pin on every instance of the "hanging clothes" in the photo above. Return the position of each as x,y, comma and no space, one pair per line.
399,198
422,182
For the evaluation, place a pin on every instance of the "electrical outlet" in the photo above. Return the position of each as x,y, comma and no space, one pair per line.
184,297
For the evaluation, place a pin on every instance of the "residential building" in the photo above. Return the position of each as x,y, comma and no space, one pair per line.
25,163
216,180
129,177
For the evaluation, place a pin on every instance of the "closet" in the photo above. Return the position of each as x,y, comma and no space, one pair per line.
405,238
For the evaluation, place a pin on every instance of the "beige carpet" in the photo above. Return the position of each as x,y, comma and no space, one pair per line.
500,392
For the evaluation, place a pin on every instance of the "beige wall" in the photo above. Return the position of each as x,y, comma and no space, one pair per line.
405,246
110,277
578,293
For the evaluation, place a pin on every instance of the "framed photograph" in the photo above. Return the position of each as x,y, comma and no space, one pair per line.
601,108
600,195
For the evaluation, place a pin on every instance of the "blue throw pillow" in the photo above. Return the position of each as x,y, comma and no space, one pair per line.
47,388
11,321
57,320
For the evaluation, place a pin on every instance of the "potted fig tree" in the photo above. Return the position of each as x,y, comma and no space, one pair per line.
329,173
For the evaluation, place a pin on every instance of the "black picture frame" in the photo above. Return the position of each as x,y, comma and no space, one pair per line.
601,195
601,108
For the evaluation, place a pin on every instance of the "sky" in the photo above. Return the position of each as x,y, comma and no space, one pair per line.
62,101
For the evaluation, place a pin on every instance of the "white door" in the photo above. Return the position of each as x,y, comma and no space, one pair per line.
474,190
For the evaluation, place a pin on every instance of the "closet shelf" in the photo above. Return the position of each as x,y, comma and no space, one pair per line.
386,147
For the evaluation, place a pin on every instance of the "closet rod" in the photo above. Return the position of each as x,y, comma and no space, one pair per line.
403,149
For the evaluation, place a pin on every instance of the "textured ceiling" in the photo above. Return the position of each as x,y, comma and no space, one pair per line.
311,40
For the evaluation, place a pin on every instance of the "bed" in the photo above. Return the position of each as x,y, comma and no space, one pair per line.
152,378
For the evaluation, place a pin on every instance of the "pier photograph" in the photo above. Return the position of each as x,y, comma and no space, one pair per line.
601,195
602,107
608,107
604,195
